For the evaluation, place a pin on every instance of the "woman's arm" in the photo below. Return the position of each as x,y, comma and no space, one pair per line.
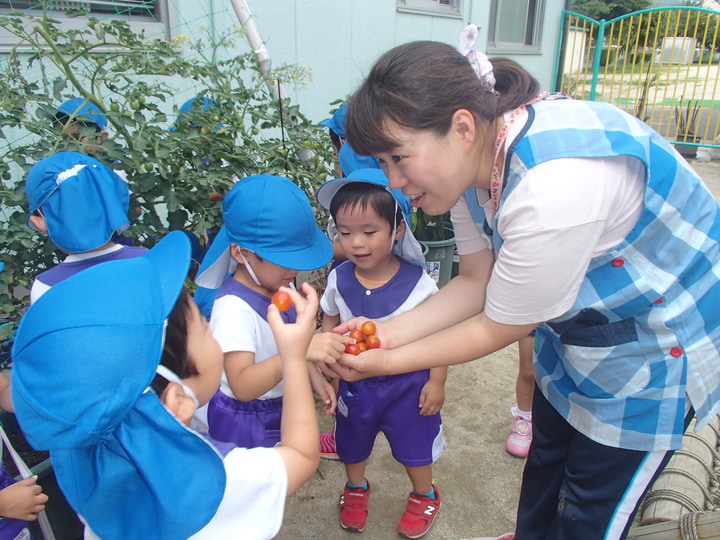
462,298
471,339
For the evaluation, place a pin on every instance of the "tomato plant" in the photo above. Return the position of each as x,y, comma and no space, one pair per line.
368,328
282,300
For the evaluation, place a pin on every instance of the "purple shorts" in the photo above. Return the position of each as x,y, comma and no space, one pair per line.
388,404
248,424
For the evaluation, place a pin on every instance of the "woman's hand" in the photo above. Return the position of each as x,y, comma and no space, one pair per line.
370,363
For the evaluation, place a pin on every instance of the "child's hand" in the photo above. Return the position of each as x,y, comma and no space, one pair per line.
294,339
356,324
327,347
22,500
323,389
432,397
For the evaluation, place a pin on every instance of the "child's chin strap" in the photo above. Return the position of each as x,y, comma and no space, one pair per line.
250,270
169,376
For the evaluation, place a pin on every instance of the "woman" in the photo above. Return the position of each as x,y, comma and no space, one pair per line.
576,218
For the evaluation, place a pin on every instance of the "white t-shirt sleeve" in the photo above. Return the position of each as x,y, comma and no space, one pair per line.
233,324
564,213
253,504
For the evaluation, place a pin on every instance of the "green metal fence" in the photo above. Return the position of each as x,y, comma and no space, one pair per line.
661,65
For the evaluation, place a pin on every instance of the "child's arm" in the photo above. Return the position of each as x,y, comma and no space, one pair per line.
299,434
22,500
322,388
329,322
432,395
249,380
6,403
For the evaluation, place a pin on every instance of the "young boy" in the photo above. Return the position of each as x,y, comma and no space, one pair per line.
82,206
269,235
383,277
121,448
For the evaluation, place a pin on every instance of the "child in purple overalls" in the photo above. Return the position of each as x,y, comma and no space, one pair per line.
81,205
269,235
383,277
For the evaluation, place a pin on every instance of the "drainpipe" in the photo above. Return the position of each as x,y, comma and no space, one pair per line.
242,11
564,31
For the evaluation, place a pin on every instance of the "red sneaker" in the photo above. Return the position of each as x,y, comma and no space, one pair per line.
419,515
354,508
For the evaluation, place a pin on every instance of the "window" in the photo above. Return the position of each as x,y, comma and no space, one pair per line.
443,8
515,25
148,15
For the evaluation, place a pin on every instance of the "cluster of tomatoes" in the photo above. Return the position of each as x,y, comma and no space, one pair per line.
365,339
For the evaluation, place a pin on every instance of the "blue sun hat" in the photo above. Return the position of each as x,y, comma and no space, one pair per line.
83,111
84,356
190,109
407,248
84,202
272,217
337,121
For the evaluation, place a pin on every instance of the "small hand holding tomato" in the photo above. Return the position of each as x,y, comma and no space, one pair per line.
327,347
282,300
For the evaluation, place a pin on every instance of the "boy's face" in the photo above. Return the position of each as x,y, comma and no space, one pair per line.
271,276
205,353
364,236
78,130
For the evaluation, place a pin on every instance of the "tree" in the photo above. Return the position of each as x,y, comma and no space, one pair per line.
608,9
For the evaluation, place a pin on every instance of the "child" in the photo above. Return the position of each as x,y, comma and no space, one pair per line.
83,121
383,277
82,206
269,235
21,501
121,448
518,442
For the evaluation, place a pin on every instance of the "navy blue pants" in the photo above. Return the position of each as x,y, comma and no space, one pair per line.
575,488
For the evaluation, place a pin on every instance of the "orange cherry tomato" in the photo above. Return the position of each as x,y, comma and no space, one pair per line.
368,328
352,348
372,342
362,346
282,300
357,335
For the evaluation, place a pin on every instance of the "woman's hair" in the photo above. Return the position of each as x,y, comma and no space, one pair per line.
420,85
174,355
361,195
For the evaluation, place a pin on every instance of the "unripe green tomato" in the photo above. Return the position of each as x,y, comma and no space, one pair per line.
114,107
255,131
149,167
135,105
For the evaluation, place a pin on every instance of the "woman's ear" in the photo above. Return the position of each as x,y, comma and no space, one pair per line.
178,403
39,223
464,127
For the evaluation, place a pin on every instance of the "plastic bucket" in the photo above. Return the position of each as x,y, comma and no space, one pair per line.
439,257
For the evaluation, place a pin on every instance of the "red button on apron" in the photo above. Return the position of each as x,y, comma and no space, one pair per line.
677,352
618,262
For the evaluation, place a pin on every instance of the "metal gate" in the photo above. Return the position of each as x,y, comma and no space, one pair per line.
662,65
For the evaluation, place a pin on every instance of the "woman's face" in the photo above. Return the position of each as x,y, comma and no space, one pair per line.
434,171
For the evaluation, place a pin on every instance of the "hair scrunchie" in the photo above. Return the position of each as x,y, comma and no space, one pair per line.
478,60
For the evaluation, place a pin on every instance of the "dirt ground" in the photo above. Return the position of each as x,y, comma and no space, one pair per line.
478,479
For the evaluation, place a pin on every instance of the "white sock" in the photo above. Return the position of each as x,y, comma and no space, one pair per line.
525,415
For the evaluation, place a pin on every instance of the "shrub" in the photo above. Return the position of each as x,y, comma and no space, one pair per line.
133,80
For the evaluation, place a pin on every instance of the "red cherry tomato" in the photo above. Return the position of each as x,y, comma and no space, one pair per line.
282,300
368,328
352,348
362,346
372,342
357,335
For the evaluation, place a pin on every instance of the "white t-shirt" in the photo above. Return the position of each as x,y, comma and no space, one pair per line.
564,213
237,327
253,504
